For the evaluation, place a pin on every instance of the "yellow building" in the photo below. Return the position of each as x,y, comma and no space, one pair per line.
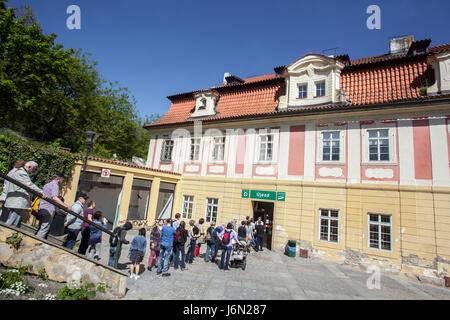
348,157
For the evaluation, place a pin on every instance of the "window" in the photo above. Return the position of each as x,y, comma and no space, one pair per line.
202,104
219,148
188,205
380,231
320,89
265,147
195,149
329,225
330,146
167,147
212,205
379,145
302,91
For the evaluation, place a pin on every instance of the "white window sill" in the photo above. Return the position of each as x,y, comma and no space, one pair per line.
331,163
379,163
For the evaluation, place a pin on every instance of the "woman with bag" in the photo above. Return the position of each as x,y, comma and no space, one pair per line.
137,252
95,238
201,238
178,247
192,240
155,244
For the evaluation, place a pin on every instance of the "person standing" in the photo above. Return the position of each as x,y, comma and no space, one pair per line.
250,234
181,237
242,232
137,252
226,237
211,236
193,233
46,210
86,228
155,245
175,225
167,235
95,238
201,237
115,249
73,223
259,226
17,199
17,165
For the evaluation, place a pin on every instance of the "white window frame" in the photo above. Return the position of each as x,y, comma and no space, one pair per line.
197,147
188,203
324,88
265,144
213,148
342,146
392,143
378,139
379,224
257,143
212,206
298,90
164,157
329,218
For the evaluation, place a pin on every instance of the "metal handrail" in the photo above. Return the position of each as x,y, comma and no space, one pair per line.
53,202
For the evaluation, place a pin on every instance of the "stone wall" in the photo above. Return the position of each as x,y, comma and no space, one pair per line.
60,264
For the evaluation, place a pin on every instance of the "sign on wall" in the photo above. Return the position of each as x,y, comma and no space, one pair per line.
106,173
263,195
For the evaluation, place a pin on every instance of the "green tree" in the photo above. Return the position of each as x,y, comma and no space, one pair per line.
53,95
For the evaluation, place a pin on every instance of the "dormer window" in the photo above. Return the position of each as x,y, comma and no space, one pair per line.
320,89
205,104
302,91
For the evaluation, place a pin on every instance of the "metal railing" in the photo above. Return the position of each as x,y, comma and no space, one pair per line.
64,210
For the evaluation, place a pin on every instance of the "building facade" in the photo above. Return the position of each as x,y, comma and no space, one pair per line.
351,158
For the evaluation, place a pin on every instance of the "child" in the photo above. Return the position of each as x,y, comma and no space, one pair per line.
137,252
95,238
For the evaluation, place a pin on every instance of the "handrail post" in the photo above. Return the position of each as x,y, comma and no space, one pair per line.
118,249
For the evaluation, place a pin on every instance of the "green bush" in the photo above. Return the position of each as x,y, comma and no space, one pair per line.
12,276
14,240
84,292
49,160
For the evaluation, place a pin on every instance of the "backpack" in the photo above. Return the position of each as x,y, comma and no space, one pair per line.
35,206
208,234
226,237
260,229
114,239
178,237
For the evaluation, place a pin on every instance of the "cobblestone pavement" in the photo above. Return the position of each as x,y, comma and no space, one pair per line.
271,275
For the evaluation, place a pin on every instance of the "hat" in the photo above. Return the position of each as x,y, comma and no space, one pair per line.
58,175
82,195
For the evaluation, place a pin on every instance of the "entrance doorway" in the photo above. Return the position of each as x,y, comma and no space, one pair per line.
265,211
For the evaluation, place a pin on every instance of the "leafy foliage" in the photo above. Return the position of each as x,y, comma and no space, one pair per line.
50,160
12,276
53,94
14,240
84,292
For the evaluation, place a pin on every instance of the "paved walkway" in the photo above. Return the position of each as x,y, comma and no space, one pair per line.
271,275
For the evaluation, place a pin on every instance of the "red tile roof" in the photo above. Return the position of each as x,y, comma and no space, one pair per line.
132,165
367,81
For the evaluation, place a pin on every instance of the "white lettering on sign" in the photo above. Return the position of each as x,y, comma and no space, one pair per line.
106,173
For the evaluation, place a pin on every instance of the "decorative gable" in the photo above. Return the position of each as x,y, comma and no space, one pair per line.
205,104
441,67
312,79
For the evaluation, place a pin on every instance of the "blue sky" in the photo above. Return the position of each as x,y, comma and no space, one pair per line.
159,48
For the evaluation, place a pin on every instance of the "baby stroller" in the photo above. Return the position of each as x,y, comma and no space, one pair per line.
239,254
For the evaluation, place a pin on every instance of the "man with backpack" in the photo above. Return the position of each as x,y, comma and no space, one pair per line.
115,249
179,241
259,226
211,238
175,225
167,235
226,239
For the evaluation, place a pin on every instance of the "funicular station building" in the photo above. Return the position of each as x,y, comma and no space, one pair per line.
350,158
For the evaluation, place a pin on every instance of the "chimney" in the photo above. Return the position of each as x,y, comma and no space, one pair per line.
226,74
400,45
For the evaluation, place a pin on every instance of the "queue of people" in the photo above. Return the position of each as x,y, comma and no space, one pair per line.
172,242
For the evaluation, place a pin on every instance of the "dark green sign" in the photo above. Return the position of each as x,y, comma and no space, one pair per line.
264,195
